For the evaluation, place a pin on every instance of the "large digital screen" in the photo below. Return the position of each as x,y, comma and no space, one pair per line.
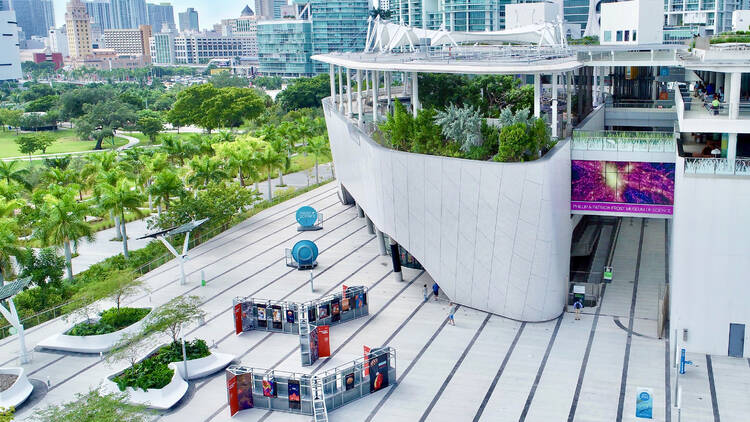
622,187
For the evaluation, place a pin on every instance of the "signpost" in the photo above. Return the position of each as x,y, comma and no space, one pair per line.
644,403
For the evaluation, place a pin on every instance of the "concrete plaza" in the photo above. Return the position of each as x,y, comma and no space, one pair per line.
485,368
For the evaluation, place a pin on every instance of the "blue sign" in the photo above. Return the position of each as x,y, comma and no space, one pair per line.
307,216
305,252
644,403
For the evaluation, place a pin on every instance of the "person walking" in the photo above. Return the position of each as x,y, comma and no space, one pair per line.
424,292
435,290
578,306
451,314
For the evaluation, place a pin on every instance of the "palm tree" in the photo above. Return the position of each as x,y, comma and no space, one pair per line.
60,177
223,136
165,185
8,247
269,160
178,149
11,172
152,165
318,147
204,170
64,221
239,158
105,179
120,198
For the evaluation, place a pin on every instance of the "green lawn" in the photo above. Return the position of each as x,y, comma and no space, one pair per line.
67,141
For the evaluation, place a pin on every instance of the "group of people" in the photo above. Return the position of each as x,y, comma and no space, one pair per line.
710,94
436,293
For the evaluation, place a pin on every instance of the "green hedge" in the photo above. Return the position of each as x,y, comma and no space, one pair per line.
153,371
111,320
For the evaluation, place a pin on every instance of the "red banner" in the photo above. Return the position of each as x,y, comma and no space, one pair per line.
238,318
367,360
324,346
234,405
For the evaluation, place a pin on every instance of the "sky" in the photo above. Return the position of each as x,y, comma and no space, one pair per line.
209,11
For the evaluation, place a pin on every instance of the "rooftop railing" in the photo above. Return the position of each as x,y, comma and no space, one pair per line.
490,53
623,141
717,166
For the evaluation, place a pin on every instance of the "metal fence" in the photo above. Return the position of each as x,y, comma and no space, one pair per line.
623,141
717,166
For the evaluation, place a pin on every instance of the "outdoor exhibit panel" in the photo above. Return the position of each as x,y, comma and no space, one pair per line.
709,249
494,236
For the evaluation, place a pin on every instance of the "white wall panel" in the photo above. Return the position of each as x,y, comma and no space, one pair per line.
495,236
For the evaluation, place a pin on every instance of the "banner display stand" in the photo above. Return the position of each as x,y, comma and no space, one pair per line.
253,314
292,392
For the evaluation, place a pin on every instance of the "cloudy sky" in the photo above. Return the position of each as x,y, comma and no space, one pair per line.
209,11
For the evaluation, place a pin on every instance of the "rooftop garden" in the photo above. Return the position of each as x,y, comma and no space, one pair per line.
731,37
479,118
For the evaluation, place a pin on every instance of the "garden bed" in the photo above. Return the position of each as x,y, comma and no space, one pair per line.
16,387
109,321
153,372
79,341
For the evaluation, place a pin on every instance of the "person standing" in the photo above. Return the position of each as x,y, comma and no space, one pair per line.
424,292
451,314
578,306
435,290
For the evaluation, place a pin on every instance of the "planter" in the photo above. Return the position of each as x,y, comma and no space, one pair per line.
19,391
166,397
88,344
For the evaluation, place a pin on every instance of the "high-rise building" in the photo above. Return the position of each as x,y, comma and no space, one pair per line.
4,5
57,41
160,14
128,14
34,17
78,25
189,20
456,15
285,47
245,28
338,25
264,9
100,12
10,59
277,6
129,41
704,17
162,47
194,48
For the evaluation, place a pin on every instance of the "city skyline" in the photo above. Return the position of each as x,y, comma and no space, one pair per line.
207,12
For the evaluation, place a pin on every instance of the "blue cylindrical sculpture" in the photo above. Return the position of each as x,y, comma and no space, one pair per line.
305,252
307,216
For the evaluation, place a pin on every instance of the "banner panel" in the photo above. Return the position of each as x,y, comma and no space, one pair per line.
238,318
378,372
245,391
294,396
232,394
276,317
324,346
262,318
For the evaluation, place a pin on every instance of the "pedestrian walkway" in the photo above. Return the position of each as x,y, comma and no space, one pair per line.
485,368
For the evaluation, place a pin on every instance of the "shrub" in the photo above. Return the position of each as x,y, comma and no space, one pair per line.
153,371
111,320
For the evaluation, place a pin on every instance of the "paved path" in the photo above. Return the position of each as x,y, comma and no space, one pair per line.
104,246
485,368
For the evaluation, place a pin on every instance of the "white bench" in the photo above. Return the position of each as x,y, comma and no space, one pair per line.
19,391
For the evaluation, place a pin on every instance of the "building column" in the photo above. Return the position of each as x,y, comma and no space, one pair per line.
414,93
332,74
388,82
370,226
734,94
375,92
537,95
381,242
569,103
360,106
655,88
396,260
349,93
595,86
554,106
341,91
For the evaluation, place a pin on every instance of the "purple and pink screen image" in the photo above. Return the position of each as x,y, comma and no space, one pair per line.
648,185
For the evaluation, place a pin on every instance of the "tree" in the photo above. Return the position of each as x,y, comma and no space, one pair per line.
12,172
239,158
44,140
178,148
95,406
102,119
28,144
121,197
188,109
269,160
42,104
122,284
44,267
166,184
304,92
10,118
229,107
224,79
63,220
461,125
150,124
8,247
172,317
219,202
204,170
318,148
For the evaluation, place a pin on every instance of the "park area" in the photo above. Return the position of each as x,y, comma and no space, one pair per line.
65,140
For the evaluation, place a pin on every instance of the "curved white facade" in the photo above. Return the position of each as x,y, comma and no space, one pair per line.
494,236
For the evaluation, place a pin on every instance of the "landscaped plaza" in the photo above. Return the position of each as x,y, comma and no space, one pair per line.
485,366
